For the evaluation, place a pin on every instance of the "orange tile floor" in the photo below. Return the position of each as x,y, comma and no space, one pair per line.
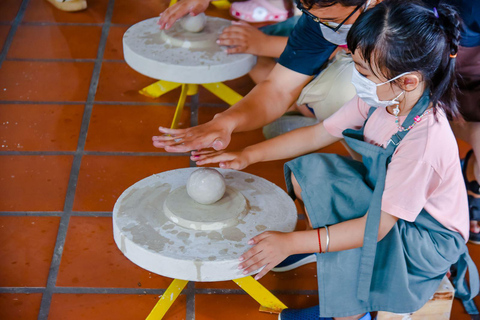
75,133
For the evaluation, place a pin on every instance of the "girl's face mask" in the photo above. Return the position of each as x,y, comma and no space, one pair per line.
367,90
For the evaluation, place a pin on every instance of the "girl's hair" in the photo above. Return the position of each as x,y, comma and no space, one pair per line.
399,36
309,4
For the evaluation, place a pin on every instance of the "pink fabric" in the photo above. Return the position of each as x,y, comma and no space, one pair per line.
425,169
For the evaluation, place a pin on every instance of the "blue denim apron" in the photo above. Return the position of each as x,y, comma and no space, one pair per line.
401,272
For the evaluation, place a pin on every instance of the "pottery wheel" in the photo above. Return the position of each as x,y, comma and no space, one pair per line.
181,209
146,235
180,56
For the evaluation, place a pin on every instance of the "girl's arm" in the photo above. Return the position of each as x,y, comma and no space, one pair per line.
289,145
271,247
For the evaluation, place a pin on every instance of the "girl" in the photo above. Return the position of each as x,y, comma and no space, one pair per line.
384,238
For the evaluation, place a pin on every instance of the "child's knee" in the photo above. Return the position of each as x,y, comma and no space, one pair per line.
296,187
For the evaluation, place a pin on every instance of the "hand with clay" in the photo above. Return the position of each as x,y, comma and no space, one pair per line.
213,134
226,160
270,248
242,38
180,9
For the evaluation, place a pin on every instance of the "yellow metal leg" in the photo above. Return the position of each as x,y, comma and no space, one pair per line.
158,88
172,2
167,299
221,4
223,92
180,104
268,302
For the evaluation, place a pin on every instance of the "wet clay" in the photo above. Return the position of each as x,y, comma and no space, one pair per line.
180,208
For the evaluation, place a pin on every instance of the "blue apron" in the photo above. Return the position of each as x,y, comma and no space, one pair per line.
401,272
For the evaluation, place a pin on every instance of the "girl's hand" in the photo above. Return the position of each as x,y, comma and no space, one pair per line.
180,9
212,134
242,38
271,248
226,160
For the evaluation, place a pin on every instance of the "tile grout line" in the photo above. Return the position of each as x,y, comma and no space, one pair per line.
13,30
121,103
72,183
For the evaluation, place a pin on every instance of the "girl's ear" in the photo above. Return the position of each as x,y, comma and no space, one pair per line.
410,82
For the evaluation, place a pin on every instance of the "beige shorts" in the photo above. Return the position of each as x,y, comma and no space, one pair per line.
331,89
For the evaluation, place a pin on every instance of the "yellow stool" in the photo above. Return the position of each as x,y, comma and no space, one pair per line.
268,302
161,87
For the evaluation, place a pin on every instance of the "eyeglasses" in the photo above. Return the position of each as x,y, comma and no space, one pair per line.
317,19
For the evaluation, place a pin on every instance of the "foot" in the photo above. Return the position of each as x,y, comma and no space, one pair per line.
69,5
473,190
294,261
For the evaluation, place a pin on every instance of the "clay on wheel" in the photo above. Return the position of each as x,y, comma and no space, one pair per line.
206,186
193,24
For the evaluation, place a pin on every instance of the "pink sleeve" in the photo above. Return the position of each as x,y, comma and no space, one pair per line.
352,115
408,185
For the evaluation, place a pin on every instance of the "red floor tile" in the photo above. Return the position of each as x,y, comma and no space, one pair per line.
129,12
129,128
9,9
42,11
34,183
40,127
119,82
26,248
102,179
45,81
4,30
92,259
20,306
233,307
110,306
114,46
272,171
55,42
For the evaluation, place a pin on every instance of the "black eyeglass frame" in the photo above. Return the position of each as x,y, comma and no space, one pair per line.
317,19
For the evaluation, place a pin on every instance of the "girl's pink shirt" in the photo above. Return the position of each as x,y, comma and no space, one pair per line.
425,170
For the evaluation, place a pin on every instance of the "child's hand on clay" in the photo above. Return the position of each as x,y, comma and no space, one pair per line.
242,38
270,248
226,160
179,9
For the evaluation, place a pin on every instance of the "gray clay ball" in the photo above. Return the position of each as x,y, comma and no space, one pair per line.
194,24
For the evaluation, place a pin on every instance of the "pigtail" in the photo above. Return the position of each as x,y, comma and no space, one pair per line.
443,86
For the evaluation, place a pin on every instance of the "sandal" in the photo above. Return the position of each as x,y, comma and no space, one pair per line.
473,189
257,11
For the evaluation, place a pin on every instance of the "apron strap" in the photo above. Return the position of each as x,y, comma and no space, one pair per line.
463,291
369,249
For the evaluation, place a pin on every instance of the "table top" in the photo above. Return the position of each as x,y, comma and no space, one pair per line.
149,239
172,56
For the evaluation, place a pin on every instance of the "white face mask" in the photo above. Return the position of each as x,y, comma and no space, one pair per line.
338,37
367,90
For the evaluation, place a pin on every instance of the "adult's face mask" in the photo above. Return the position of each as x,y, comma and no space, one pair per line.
367,90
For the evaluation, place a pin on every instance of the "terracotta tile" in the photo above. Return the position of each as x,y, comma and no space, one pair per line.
91,259
41,10
113,46
129,12
272,171
220,13
242,85
40,127
110,306
239,140
45,81
463,148
102,179
119,82
26,248
9,9
34,183
20,305
55,42
4,30
233,307
129,128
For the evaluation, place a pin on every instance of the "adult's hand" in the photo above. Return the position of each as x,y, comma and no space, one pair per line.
213,134
241,37
180,9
